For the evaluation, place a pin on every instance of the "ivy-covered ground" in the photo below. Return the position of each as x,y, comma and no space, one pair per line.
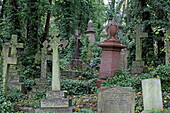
84,102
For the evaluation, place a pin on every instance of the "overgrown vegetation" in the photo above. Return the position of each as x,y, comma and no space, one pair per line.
35,20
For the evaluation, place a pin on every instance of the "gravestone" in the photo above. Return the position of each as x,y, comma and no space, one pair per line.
43,83
55,101
91,38
138,64
168,48
116,99
124,58
7,60
103,34
152,94
76,62
14,79
90,32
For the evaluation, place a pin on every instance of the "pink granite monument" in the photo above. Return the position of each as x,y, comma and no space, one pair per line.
111,48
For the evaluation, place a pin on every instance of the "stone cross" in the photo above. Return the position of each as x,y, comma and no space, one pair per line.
77,37
10,52
168,48
13,75
44,58
139,34
14,45
55,44
6,62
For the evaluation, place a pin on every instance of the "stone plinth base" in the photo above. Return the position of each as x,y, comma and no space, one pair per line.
41,86
59,110
72,74
75,63
99,82
55,102
14,82
15,85
137,67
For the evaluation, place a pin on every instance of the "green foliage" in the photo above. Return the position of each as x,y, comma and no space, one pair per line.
72,14
162,72
78,87
125,79
85,111
159,111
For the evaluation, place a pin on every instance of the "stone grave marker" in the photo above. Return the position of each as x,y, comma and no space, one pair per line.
152,94
124,58
14,79
138,64
91,38
7,60
90,32
168,48
104,33
116,99
43,83
76,62
55,101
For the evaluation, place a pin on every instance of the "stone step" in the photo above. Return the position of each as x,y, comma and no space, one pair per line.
56,94
58,110
56,103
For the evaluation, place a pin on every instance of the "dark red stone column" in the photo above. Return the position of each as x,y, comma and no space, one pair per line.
110,61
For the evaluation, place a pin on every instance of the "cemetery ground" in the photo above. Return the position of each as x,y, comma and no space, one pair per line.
83,92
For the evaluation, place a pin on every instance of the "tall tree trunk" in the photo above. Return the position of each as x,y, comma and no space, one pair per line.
46,29
15,18
32,27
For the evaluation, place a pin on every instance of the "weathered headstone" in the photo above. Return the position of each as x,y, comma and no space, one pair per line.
6,62
116,99
168,48
138,64
14,79
76,62
103,34
90,32
91,38
152,94
55,100
43,83
124,58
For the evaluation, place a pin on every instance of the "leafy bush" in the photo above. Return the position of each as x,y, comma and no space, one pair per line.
78,87
124,78
129,80
5,104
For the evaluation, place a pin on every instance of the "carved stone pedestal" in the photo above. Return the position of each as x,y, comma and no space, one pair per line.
137,67
14,82
41,86
110,61
55,102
